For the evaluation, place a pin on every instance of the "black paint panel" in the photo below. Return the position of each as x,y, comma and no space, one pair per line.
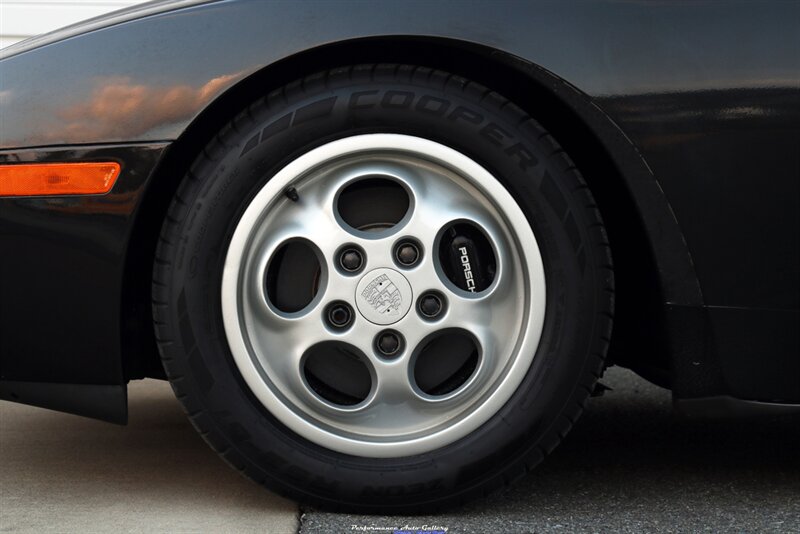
104,402
707,92
728,162
61,272
759,352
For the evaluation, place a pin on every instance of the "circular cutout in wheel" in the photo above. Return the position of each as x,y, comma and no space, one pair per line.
443,190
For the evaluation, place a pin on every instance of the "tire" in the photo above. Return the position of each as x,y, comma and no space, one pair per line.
332,423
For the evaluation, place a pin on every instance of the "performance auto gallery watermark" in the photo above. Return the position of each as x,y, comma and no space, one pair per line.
405,529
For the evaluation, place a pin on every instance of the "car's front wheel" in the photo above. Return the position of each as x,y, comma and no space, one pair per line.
383,287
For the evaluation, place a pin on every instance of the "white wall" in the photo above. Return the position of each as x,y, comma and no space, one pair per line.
20,19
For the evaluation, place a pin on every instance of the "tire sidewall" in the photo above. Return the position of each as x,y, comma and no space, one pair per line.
300,117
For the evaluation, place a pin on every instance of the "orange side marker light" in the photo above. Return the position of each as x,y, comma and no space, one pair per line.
57,179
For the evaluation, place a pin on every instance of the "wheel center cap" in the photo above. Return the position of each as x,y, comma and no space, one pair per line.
383,296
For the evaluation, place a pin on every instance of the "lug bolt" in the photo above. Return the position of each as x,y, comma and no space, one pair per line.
389,343
407,253
430,305
340,315
351,260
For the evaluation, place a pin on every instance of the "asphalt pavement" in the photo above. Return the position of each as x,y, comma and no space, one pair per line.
629,465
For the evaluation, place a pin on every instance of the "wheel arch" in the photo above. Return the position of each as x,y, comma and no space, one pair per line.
651,259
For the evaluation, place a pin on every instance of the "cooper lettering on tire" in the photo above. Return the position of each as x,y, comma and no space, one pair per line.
398,298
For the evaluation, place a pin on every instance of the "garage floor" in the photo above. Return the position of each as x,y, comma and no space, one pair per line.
628,466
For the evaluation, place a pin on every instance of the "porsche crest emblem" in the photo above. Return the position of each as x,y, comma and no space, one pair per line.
383,295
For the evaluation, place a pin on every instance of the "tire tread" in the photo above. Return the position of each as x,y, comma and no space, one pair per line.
171,349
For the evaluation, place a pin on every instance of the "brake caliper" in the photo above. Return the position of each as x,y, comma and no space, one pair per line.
467,257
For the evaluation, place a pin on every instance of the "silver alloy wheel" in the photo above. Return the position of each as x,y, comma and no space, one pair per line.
396,418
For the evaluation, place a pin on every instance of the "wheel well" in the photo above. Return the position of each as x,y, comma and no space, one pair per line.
637,340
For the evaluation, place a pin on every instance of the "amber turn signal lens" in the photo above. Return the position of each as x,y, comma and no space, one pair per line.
54,179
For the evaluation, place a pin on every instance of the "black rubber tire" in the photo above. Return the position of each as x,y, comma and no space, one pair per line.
390,99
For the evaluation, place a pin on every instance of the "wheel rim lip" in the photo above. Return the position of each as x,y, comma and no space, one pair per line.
524,241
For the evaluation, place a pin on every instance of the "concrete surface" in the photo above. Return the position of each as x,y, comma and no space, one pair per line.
628,466
62,473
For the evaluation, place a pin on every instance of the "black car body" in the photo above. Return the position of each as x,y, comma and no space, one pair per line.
684,116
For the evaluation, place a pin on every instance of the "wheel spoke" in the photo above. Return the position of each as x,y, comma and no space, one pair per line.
437,205
393,385
311,218
279,345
